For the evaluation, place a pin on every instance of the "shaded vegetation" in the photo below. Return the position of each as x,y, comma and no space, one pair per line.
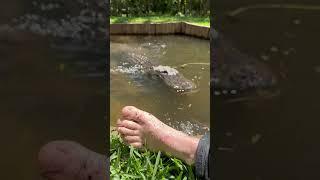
129,163
159,7
202,21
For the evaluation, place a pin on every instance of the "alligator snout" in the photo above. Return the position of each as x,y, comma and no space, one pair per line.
233,71
179,83
174,79
246,77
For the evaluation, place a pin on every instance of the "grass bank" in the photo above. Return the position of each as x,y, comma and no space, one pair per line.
202,21
129,163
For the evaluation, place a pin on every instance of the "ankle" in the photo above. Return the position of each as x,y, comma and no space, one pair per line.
191,150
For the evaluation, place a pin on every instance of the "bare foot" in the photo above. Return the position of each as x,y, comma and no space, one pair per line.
139,128
67,160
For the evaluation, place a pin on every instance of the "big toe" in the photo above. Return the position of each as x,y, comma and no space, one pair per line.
129,111
133,113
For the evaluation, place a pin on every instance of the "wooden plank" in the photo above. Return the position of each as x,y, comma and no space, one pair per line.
158,29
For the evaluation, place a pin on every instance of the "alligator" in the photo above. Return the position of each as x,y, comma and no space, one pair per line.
83,29
76,21
74,30
233,72
134,59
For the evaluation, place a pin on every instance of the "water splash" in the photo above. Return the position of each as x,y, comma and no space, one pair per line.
191,128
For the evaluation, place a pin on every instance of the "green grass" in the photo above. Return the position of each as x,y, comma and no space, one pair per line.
130,163
202,21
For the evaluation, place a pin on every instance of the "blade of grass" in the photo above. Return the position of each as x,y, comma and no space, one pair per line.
113,156
156,166
118,158
131,176
191,175
143,177
137,153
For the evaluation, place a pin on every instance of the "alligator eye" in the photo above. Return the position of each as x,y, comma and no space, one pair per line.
164,72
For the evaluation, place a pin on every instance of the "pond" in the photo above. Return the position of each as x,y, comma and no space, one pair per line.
44,97
48,93
190,112
278,137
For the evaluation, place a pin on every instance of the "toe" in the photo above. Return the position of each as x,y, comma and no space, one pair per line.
129,124
128,111
128,132
137,145
135,114
132,139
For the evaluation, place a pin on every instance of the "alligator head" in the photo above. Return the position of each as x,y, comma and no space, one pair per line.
174,79
234,72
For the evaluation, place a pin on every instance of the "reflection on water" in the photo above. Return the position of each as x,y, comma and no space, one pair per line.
129,86
273,138
48,93
43,99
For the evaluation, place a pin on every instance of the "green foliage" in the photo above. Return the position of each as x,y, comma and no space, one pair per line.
202,21
158,7
129,163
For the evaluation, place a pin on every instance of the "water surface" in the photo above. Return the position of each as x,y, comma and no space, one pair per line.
278,137
45,97
189,113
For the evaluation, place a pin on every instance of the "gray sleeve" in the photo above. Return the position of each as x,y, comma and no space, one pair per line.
202,157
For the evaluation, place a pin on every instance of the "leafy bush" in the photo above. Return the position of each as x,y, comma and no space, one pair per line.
159,7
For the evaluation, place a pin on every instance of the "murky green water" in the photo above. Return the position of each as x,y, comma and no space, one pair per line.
45,94
273,138
189,113
42,100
